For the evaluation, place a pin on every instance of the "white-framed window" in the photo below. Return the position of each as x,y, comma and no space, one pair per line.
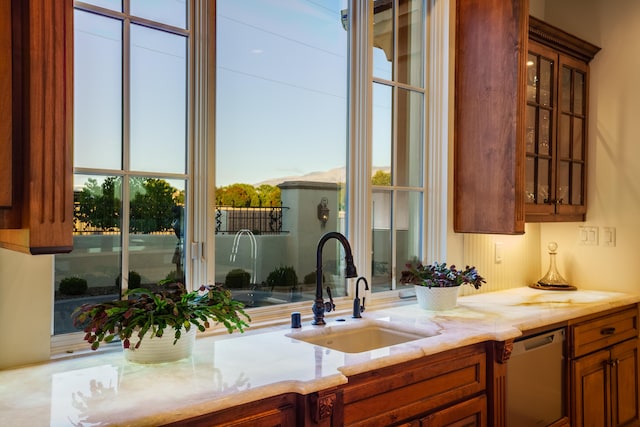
131,151
323,107
303,101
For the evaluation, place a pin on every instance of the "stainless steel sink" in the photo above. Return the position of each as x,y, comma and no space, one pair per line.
357,338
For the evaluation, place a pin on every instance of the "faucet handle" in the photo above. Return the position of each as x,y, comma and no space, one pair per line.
329,305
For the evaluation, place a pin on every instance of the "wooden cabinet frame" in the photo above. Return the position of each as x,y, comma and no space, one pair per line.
37,216
488,116
557,203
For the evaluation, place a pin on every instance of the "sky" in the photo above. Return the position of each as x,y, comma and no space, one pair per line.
281,90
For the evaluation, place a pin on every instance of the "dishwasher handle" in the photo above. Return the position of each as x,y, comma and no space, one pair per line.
538,342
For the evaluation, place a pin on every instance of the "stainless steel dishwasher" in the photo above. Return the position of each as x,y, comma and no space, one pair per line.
535,380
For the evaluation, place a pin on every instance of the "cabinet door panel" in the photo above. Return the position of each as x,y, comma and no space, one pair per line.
590,390
625,389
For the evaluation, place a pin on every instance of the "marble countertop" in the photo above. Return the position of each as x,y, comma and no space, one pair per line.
103,389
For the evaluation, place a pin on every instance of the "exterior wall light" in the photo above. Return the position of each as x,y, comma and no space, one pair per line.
323,211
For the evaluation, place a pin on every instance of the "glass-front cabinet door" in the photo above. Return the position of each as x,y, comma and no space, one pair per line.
540,129
556,125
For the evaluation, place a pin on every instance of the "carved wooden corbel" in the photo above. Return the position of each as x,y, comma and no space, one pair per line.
504,349
322,406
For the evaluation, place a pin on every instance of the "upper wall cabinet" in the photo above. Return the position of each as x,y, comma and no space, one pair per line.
556,124
490,55
36,125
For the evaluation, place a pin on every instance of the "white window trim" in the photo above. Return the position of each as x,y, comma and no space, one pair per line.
436,202
359,192
202,155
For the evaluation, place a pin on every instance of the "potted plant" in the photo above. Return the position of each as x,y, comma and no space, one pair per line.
437,285
145,315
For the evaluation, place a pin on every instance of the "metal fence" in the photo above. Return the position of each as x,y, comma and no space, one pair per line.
258,220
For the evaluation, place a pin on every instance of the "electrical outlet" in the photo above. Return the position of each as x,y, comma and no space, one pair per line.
609,236
587,235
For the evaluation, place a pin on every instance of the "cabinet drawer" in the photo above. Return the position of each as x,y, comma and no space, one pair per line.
604,331
404,392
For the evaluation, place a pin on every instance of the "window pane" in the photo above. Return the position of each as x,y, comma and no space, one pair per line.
531,128
410,155
544,181
408,222
158,100
281,126
171,12
578,91
576,184
156,225
563,182
544,133
382,39
532,77
96,249
382,129
546,82
530,196
564,138
410,42
97,91
107,4
578,125
565,87
381,245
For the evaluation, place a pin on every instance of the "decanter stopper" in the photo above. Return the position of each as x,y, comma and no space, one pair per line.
553,279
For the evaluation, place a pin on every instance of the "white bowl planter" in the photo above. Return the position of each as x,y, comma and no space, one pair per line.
437,298
161,349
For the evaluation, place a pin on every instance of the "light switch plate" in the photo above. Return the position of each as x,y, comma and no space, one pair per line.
587,235
609,236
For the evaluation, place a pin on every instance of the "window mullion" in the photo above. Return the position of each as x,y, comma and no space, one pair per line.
360,106
126,133
436,116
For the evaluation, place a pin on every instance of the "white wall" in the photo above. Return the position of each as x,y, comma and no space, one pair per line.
26,299
614,149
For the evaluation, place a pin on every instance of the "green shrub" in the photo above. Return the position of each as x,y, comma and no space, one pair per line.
283,276
237,279
134,280
310,279
73,286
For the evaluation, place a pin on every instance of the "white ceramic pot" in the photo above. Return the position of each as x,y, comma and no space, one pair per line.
437,298
161,349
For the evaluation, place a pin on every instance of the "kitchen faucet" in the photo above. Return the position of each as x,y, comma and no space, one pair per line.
358,307
319,307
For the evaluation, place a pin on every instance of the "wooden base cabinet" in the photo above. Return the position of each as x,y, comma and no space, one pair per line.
445,389
439,390
472,413
605,385
279,411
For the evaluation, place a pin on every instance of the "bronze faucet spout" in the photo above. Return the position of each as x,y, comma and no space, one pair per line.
319,306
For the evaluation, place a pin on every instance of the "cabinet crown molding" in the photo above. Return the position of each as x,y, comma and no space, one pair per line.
560,40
